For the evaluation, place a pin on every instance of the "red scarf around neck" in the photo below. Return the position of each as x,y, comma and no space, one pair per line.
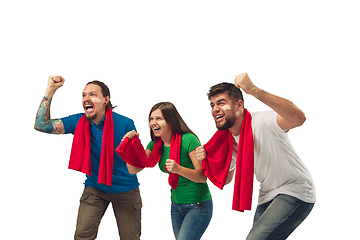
132,152
219,153
80,158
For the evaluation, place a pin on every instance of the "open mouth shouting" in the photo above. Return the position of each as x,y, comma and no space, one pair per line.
88,107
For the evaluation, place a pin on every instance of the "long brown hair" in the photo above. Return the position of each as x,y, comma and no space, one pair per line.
172,117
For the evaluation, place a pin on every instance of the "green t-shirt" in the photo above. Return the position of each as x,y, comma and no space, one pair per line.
187,191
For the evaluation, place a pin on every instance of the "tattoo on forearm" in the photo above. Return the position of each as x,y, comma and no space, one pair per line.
44,109
58,126
43,122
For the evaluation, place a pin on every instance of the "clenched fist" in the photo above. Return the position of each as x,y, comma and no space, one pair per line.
172,166
55,82
243,82
200,153
131,135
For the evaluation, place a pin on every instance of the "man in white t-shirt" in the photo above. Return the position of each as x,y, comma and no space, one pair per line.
287,192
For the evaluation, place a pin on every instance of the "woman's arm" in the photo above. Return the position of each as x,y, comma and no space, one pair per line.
132,169
195,175
135,170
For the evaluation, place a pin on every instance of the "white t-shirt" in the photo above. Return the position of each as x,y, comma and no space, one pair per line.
276,165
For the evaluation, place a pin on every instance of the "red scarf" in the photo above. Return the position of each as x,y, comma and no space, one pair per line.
132,152
80,159
219,154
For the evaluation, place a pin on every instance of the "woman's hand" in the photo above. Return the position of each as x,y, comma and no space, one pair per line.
131,135
172,166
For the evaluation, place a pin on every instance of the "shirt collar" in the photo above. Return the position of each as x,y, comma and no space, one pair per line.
101,123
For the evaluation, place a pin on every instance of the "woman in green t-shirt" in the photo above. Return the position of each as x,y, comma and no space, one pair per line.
191,207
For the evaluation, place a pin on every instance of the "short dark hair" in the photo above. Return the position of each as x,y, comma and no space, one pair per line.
171,117
234,93
105,91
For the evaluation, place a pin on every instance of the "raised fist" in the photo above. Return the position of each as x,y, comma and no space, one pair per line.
243,82
55,82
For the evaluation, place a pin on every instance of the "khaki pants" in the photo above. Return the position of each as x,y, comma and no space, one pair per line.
93,204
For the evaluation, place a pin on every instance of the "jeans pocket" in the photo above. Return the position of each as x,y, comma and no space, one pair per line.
137,206
136,199
88,196
84,196
201,206
205,206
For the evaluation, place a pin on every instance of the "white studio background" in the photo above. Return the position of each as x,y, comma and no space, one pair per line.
151,51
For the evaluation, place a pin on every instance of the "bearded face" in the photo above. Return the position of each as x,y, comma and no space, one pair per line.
223,111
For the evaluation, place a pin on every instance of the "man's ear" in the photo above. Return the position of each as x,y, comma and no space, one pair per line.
239,105
107,99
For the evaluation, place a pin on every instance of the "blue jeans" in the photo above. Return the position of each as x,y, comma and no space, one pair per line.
190,221
278,218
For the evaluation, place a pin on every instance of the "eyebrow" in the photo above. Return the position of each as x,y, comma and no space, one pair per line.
88,92
220,100
156,116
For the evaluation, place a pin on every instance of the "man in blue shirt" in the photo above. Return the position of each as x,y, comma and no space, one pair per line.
124,192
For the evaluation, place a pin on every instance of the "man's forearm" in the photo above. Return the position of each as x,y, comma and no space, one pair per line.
285,108
289,115
230,177
43,122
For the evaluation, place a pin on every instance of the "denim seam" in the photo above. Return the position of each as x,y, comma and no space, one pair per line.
199,222
285,218
197,227
303,217
202,207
